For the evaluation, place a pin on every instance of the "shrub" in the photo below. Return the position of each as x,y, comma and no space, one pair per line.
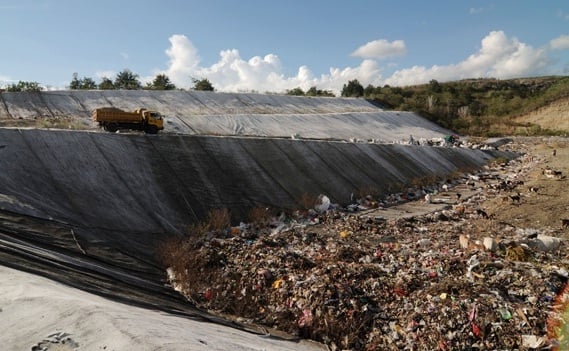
307,201
218,219
259,215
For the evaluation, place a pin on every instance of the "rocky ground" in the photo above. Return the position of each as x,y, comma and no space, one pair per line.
483,266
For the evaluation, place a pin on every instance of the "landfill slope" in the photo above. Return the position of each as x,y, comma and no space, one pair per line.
162,183
129,191
239,114
91,209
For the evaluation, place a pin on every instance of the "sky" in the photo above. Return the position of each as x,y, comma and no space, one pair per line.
278,45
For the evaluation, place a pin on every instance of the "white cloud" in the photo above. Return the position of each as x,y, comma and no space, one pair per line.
560,43
499,57
232,73
380,49
184,60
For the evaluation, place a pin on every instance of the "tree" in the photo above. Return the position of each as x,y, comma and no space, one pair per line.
75,84
88,84
435,86
313,92
82,84
295,91
353,89
203,84
24,86
161,82
370,90
318,92
127,80
106,84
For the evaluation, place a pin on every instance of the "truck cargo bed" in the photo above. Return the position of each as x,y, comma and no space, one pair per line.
116,115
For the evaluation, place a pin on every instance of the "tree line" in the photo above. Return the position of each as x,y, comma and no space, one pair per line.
125,80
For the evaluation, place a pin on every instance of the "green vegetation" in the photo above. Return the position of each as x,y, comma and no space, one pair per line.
106,84
202,84
161,82
478,107
84,83
313,91
24,86
353,89
127,80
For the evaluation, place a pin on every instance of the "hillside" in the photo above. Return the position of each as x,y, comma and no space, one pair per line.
484,107
554,116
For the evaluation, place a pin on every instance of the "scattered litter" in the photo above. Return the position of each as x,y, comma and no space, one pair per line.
323,204
532,341
490,244
376,282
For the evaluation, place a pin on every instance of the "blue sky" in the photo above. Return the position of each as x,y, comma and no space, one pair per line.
272,46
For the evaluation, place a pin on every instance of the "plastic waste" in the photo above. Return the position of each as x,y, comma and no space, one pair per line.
472,263
323,205
490,244
532,341
505,314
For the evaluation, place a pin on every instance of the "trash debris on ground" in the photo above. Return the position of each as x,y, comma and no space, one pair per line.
448,280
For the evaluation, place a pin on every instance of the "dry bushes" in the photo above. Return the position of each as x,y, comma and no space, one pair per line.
190,264
259,215
307,201
218,219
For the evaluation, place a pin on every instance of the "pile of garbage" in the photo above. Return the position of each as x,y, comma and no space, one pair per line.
448,280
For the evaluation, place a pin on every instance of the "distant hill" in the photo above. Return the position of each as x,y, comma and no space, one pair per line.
486,107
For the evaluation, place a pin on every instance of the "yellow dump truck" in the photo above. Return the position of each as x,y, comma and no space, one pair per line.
113,119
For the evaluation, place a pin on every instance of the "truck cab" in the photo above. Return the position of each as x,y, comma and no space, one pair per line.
155,122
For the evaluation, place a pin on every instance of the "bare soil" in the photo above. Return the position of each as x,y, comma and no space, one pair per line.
554,116
545,207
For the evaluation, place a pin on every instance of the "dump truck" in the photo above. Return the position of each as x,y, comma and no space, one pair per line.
113,119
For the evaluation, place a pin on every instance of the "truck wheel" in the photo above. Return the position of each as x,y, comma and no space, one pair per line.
151,130
112,127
